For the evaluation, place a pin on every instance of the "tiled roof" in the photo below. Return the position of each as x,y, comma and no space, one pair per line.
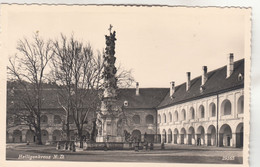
147,98
216,83
159,97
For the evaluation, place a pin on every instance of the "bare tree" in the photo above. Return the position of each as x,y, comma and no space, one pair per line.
78,72
28,69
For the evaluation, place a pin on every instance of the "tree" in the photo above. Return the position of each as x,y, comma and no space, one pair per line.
28,69
78,72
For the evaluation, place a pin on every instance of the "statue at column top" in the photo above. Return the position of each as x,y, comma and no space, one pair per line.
110,81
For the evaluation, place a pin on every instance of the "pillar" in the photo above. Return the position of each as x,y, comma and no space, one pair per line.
50,137
24,136
179,139
233,142
220,140
208,139
185,139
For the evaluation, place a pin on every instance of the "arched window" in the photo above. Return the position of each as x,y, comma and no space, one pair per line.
202,111
159,118
176,116
226,107
164,118
57,119
44,119
212,109
170,117
192,113
136,119
240,105
149,119
183,114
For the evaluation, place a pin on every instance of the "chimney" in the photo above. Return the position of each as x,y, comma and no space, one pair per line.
172,88
230,65
137,89
204,76
188,81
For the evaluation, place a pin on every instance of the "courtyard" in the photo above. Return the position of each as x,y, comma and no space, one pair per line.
171,154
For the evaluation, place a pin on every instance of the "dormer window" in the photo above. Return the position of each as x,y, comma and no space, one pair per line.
125,103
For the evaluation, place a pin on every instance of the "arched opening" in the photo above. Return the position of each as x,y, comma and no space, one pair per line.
149,119
176,135
240,105
136,119
30,136
45,136
164,135
17,136
183,115
226,107
212,109
201,111
211,135
57,119
170,117
159,118
44,119
136,135
183,136
225,135
169,135
176,116
164,118
192,113
200,136
240,135
191,136
56,135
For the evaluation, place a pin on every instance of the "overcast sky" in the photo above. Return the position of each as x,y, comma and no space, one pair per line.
160,44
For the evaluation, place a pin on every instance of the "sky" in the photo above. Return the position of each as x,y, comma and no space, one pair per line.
159,44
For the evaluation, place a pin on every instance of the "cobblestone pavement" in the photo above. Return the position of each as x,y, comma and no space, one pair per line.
171,154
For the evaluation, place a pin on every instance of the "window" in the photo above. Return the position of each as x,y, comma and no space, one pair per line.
176,116
164,118
226,107
57,119
136,119
183,114
240,105
212,109
202,111
44,119
170,117
192,113
149,119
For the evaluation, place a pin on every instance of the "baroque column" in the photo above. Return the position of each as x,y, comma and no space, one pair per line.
107,117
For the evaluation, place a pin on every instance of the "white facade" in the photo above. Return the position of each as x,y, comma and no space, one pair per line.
189,123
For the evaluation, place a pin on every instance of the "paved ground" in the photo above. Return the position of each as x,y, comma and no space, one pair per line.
171,154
